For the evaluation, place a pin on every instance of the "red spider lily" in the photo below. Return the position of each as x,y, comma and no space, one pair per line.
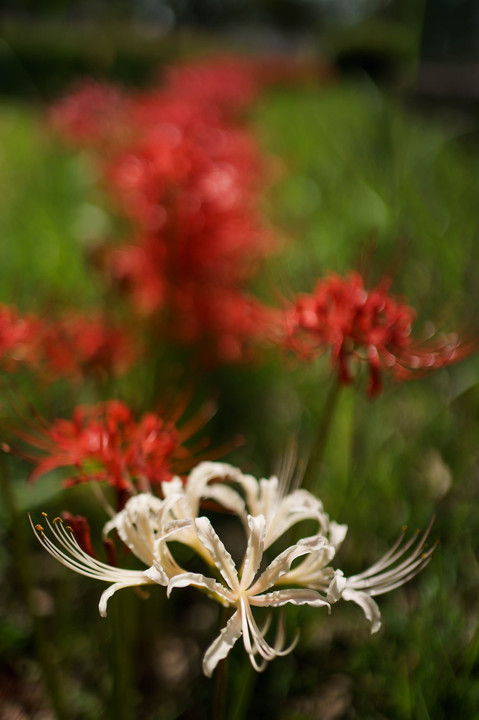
105,443
193,157
18,338
228,326
81,530
72,346
228,82
76,345
192,192
371,326
188,180
88,114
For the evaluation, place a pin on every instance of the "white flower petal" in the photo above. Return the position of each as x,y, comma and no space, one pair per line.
137,525
336,534
312,571
157,575
175,486
290,510
106,595
227,497
254,549
281,564
368,606
221,557
294,596
204,473
221,646
198,580
336,587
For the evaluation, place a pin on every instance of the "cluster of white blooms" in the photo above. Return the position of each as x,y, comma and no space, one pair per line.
147,524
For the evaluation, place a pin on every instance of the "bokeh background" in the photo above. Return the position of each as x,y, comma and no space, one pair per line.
373,164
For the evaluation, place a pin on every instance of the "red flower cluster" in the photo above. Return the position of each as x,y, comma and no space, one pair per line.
18,338
187,176
71,346
105,443
77,344
371,326
88,116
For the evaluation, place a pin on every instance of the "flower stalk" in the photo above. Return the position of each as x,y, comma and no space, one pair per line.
322,435
122,624
221,684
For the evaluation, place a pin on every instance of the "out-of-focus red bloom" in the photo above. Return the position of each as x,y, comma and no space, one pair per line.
72,346
88,115
190,185
371,326
228,82
187,176
18,338
90,444
140,271
227,326
76,345
105,443
81,530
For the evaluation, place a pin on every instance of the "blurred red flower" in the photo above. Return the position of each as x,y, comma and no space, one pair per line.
370,326
18,338
88,115
76,344
188,178
73,345
105,443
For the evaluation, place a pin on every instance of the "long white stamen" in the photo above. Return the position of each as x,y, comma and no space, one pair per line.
78,560
374,577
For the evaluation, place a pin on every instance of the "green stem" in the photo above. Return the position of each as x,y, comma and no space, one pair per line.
322,436
220,690
23,572
221,686
122,617
245,683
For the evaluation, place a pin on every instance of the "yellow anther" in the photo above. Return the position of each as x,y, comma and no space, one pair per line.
39,528
69,528
57,519
44,514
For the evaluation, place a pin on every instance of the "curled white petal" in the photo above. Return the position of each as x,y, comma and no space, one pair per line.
368,606
221,557
221,646
212,587
137,525
254,549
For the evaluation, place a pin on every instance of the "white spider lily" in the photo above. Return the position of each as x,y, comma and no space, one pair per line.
147,524
67,551
245,495
242,591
